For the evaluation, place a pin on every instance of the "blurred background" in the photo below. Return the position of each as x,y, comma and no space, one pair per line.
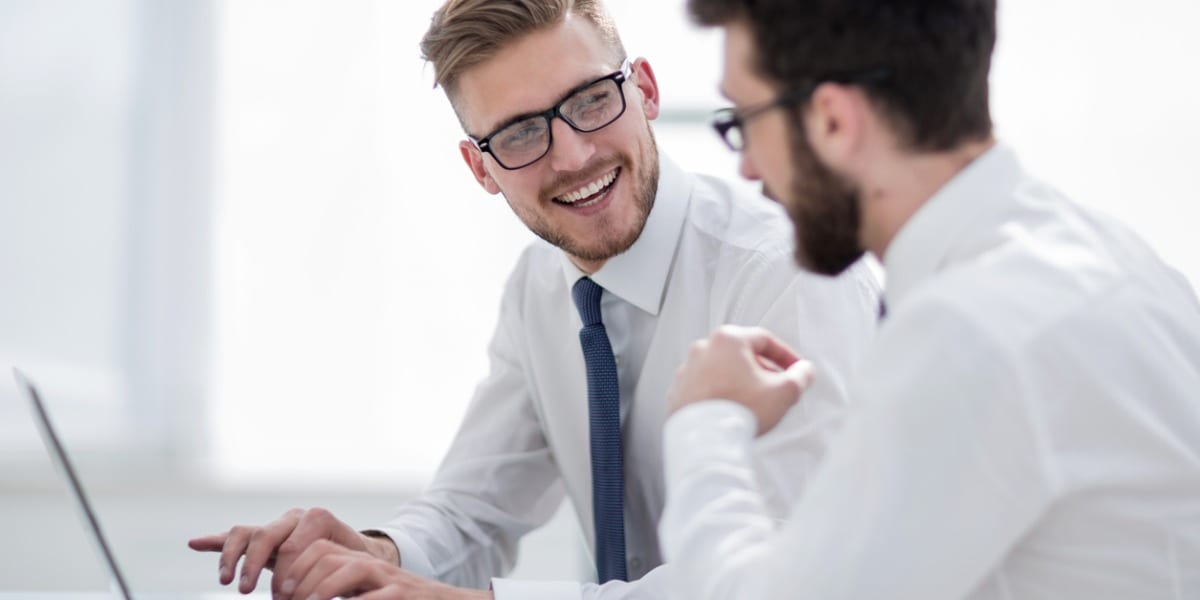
240,252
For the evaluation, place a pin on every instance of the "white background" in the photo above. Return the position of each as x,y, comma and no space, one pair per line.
239,249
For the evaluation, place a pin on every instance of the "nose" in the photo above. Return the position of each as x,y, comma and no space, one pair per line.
747,168
570,150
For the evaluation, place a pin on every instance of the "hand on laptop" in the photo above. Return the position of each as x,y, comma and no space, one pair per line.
747,365
277,545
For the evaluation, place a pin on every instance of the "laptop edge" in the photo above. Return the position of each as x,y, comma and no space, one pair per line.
59,454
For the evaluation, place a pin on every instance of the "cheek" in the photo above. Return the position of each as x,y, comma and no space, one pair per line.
519,187
627,132
776,162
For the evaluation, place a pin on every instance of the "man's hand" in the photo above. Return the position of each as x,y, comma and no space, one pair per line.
746,365
326,570
276,545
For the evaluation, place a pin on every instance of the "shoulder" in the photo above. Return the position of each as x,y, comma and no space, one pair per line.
747,244
739,240
1047,269
736,221
536,275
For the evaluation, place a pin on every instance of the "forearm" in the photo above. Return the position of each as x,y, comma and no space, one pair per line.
715,528
466,539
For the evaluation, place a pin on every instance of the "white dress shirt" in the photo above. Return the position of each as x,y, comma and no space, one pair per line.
705,257
1025,426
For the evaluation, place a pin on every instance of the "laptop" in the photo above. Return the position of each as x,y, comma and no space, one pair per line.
59,454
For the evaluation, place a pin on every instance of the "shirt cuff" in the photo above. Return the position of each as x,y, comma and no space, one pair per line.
513,589
705,432
412,557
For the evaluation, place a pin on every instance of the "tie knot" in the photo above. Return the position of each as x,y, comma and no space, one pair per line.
587,300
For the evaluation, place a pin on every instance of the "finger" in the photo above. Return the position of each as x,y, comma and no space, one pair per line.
235,546
318,524
313,525
208,543
262,549
767,364
388,592
803,372
289,576
349,578
787,387
321,563
767,346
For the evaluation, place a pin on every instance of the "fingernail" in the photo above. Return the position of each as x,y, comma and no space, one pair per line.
224,574
245,579
288,586
313,597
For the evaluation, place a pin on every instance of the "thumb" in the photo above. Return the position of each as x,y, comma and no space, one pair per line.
801,373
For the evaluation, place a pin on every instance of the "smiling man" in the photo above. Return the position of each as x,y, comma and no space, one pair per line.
638,258
1024,425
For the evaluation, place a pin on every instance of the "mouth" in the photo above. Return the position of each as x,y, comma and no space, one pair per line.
591,193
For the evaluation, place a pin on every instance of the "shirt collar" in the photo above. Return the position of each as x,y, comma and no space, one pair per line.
639,275
941,229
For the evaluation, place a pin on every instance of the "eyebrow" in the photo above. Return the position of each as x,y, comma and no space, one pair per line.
522,116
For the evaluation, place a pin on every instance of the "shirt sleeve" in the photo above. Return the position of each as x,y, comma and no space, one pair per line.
937,473
497,482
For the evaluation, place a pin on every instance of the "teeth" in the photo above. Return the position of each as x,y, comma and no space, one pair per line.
589,189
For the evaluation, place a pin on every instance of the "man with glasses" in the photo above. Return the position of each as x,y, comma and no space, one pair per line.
1025,424
637,260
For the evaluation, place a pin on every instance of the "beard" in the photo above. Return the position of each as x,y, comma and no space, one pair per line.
824,209
607,238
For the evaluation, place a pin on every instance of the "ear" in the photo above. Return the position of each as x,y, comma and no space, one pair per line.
643,78
474,159
835,122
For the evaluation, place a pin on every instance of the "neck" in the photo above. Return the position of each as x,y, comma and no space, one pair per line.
587,266
902,184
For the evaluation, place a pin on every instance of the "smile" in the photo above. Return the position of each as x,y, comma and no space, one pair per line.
590,193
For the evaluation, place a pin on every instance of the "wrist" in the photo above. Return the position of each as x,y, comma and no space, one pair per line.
381,546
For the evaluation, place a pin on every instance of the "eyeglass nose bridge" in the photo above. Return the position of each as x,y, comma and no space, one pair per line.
557,112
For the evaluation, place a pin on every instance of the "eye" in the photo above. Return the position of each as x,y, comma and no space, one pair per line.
522,134
593,98
592,106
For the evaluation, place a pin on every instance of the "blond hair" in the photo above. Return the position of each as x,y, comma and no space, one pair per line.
465,33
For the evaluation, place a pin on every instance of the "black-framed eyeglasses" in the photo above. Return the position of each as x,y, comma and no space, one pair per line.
730,123
526,138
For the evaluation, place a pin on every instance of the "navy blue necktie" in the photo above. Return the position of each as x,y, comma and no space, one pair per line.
604,416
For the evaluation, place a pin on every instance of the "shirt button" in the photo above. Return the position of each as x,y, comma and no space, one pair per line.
635,564
617,360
